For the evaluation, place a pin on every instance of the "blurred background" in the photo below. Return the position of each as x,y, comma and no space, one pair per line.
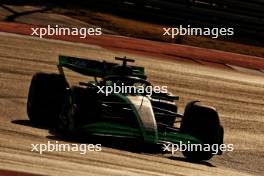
146,19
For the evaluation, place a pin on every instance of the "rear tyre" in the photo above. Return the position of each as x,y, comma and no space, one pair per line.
45,98
80,107
66,123
202,122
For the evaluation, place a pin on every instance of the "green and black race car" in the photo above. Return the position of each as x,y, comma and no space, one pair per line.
89,110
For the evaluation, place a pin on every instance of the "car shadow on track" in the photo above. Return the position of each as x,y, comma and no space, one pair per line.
205,163
29,124
123,144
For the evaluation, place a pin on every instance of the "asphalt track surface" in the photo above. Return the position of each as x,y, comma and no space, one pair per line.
237,96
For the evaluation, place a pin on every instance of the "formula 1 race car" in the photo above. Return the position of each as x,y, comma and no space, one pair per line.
144,115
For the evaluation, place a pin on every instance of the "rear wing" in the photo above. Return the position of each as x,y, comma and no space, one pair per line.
96,68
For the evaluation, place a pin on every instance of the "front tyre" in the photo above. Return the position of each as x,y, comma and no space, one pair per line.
202,122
